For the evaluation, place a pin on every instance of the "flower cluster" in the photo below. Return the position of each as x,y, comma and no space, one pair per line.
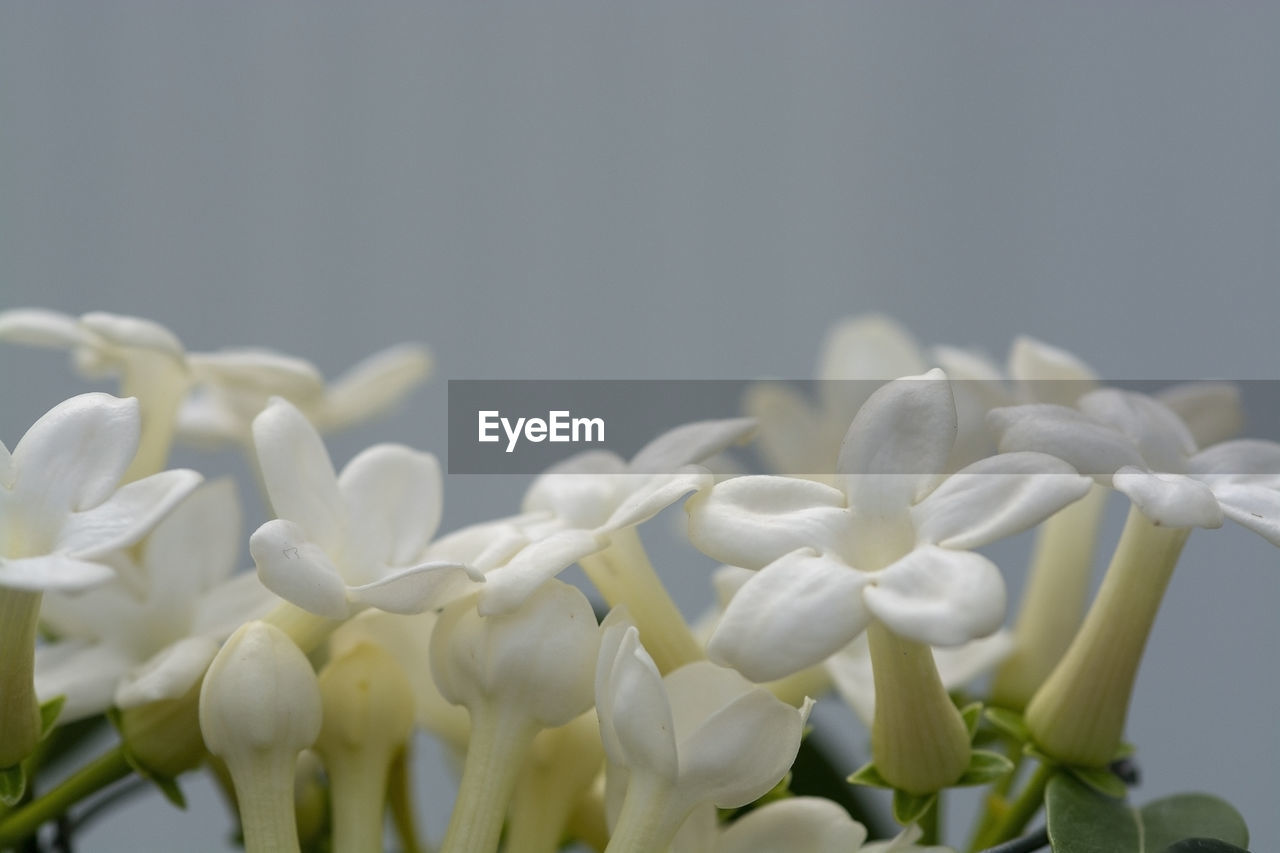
609,721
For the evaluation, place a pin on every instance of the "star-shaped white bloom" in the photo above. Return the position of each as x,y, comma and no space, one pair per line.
340,543
1140,447
189,602
892,544
572,509
63,513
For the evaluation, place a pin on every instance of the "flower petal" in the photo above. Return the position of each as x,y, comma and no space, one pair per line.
632,704
1211,410
752,521
655,493
690,443
1092,448
259,370
896,449
196,546
298,570
169,673
1048,374
795,612
1162,438
133,332
419,588
1170,500
128,515
41,328
509,585
374,385
866,347
938,596
1245,461
996,497
85,674
298,474
1254,507
394,500
583,490
795,825
73,457
230,604
52,572
791,436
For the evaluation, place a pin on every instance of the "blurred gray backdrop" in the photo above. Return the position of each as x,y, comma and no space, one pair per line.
674,190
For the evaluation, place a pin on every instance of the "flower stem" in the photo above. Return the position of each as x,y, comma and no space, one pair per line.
500,739
919,741
1054,601
19,708
94,776
624,575
644,825
1021,810
264,795
400,799
1078,714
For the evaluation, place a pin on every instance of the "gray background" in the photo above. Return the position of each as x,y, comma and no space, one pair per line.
675,190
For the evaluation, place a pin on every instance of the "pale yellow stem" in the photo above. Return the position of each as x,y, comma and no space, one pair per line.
19,708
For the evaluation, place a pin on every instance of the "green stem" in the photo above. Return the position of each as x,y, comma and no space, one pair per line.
1021,810
624,575
995,802
929,822
94,776
500,740
19,708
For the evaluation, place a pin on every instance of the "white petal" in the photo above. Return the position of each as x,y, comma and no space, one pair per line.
1093,449
169,673
232,603
52,572
297,472
655,493
995,498
85,674
632,704
795,825
394,500
133,332
419,588
1245,461
7,471
196,547
1162,438
41,328
896,449
1048,374
1211,410
259,370
1170,500
752,521
690,443
938,596
851,673
959,665
743,748
791,436
73,457
581,491
1254,507
509,585
867,347
374,385
794,613
485,545
298,570
127,515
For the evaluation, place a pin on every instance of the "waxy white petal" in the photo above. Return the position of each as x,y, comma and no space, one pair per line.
1161,437
260,370
632,705
197,545
1091,448
795,825
375,384
795,612
52,572
1245,461
690,443
298,570
863,348
418,588
41,328
896,449
169,673
1254,507
230,604
394,498
938,596
298,473
1211,410
654,494
86,675
996,497
791,434
752,521
133,332
1170,500
127,515
507,586
582,490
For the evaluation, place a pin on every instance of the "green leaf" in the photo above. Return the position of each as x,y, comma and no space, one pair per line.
13,784
1204,845
1101,780
49,713
1010,723
909,808
867,774
972,715
1083,821
1192,816
985,767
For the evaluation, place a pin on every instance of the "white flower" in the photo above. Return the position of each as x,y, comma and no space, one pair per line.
701,735
574,509
1137,445
793,825
892,545
342,543
188,602
62,511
